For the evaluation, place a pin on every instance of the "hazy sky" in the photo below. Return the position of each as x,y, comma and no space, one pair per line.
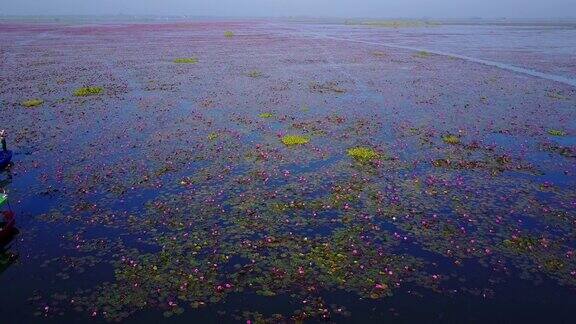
316,8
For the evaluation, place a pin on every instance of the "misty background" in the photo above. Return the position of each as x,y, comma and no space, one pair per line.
309,8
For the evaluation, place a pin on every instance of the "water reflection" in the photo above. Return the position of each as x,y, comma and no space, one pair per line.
8,228
7,257
5,178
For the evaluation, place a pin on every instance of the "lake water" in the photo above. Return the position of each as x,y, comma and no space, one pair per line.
434,179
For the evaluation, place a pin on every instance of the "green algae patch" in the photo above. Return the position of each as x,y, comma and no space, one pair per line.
266,115
88,91
186,60
556,132
293,140
228,34
212,136
363,154
32,103
451,139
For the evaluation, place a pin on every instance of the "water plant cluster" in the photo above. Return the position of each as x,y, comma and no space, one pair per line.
88,91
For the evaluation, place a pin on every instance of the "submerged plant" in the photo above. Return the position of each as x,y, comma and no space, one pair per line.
556,132
292,140
32,103
88,91
266,115
363,154
451,139
186,60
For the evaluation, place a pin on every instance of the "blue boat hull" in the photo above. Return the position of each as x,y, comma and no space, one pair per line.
5,158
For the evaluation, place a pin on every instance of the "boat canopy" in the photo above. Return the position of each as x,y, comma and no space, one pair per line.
3,199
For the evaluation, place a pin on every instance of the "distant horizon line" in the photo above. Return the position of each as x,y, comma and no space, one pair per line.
275,17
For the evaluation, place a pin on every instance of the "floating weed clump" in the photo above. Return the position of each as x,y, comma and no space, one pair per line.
422,54
556,95
451,139
521,244
186,60
293,140
326,87
266,115
212,136
556,132
88,91
229,34
32,103
254,74
363,154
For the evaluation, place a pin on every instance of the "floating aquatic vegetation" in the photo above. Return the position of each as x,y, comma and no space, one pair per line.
461,164
32,103
88,91
554,94
254,74
331,86
521,243
363,154
556,132
229,34
186,60
558,149
293,140
451,139
266,115
212,136
422,54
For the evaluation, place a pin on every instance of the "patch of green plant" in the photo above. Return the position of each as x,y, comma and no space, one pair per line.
254,74
556,95
212,136
88,91
32,103
451,139
293,140
521,244
229,34
363,154
553,265
556,132
266,115
186,60
326,87
422,54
